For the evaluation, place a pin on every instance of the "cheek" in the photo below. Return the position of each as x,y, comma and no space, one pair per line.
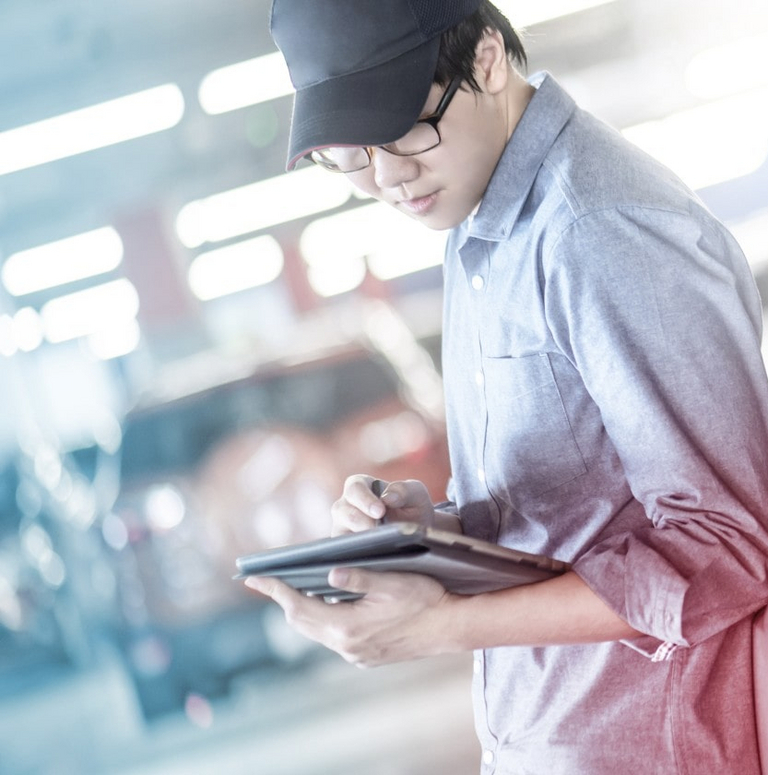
364,181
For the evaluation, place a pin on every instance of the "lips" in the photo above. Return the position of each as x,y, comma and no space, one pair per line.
419,205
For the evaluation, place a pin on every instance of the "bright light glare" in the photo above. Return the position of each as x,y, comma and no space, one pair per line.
115,341
394,245
260,205
711,143
526,14
64,261
333,278
334,250
90,311
236,267
115,532
390,334
165,507
27,329
734,67
108,123
245,83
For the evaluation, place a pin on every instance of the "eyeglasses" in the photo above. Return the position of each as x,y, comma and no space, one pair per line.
424,136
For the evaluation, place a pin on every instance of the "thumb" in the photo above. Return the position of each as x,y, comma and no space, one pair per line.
352,580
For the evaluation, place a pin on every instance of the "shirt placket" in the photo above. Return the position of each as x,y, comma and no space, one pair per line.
475,259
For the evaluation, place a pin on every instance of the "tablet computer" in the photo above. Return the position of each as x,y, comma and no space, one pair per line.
461,564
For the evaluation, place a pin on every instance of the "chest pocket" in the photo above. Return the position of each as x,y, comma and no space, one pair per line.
530,447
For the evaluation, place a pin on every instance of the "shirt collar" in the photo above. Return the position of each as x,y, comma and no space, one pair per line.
547,113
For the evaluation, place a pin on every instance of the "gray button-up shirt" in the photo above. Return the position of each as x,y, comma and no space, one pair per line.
607,404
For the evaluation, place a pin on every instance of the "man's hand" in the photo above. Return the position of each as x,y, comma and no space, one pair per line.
359,508
402,616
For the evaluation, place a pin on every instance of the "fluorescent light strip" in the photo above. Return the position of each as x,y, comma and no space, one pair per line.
245,83
393,245
266,77
733,67
711,143
87,312
260,205
115,341
64,261
98,126
526,14
27,329
237,267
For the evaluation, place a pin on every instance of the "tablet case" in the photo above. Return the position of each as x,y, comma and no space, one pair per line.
461,564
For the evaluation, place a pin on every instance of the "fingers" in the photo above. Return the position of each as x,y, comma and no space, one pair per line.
358,508
394,620
366,501
286,597
354,580
409,500
307,615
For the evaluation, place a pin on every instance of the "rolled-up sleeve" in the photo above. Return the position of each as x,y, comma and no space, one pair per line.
659,313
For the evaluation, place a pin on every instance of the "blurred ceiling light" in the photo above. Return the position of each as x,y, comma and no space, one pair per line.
115,532
526,14
246,264
164,507
330,278
391,336
37,544
87,312
711,143
733,67
107,123
245,83
260,205
115,341
27,328
394,437
394,245
64,261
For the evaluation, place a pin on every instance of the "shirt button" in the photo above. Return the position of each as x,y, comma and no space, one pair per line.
477,666
478,283
487,757
479,378
480,475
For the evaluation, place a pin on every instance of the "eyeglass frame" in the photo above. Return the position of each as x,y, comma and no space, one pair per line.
433,120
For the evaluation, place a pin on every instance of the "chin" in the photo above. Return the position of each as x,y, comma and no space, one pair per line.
438,219
441,222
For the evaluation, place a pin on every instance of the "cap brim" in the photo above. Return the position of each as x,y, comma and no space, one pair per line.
371,107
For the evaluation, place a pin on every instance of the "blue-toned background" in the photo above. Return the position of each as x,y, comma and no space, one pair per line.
195,350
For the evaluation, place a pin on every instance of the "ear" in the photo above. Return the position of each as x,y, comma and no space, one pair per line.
492,66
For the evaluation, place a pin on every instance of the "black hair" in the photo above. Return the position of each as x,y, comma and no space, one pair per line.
458,45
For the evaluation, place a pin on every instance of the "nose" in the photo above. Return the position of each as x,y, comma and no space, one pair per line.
391,171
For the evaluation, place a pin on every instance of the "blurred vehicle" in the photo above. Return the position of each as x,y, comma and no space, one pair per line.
237,468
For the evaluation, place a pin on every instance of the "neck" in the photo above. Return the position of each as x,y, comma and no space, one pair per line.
518,95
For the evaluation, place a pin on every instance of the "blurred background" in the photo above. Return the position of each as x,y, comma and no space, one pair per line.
196,349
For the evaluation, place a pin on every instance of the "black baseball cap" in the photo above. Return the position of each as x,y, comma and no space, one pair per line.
362,69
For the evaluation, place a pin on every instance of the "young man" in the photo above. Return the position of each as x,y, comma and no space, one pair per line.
606,400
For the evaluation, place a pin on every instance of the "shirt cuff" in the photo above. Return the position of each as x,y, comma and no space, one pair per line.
652,648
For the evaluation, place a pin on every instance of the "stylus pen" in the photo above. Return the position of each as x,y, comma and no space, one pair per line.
377,488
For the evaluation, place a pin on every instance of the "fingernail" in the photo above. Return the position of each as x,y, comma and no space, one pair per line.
254,582
377,510
392,499
338,577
